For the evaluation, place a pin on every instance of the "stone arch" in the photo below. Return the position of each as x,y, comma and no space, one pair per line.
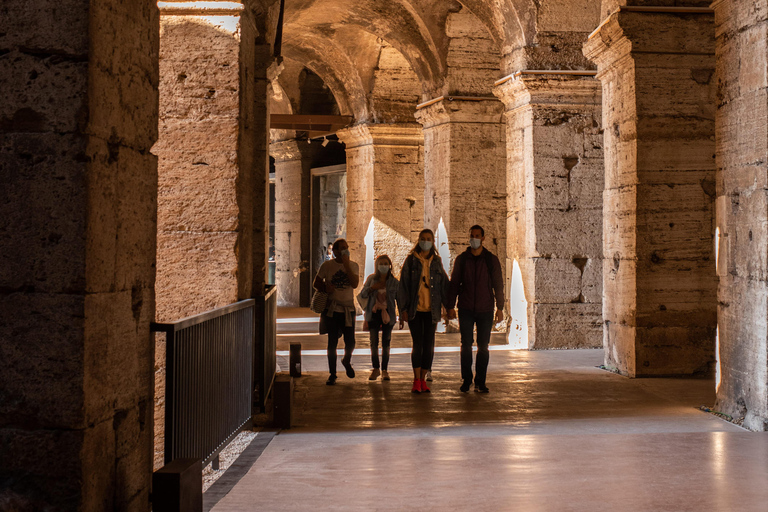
340,75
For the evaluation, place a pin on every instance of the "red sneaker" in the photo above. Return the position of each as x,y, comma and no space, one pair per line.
416,386
424,387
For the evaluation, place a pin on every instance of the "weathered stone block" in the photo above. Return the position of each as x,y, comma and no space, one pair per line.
566,326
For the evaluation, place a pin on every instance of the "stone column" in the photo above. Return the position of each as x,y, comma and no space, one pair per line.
77,253
385,198
293,182
659,281
203,193
465,171
742,211
554,202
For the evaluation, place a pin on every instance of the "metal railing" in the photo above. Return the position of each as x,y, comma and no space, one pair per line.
265,353
209,380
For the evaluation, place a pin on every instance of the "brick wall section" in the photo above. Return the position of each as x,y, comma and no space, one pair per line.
78,120
659,279
554,197
742,209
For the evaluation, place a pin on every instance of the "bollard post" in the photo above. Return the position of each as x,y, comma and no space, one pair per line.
295,360
178,486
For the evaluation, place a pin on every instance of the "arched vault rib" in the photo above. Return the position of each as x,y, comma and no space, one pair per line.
334,67
421,39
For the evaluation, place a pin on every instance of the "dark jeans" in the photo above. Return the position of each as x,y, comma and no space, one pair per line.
423,336
386,336
467,321
336,327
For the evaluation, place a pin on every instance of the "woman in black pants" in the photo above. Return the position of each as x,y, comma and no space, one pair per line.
423,294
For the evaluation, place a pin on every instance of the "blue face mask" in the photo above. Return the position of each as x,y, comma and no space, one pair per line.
475,243
383,269
425,245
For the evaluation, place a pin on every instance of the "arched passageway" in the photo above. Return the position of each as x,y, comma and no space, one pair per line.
603,143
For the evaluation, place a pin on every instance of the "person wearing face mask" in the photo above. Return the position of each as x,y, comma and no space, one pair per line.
423,294
378,298
338,278
477,282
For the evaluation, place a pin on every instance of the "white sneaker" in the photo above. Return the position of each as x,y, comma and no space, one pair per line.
374,374
429,376
384,375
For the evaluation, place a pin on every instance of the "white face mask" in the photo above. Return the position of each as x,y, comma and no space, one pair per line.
425,245
383,269
345,252
475,243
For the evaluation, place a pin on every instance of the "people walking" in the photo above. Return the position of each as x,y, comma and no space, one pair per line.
477,282
338,278
379,295
423,294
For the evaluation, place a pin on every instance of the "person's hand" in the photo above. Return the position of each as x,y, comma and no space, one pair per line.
451,314
403,318
345,259
499,315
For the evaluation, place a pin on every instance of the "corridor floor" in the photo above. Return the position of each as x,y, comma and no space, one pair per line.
556,433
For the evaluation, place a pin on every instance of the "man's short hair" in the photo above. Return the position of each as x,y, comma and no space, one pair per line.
476,226
336,244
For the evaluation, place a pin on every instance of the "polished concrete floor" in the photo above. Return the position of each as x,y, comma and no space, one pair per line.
555,433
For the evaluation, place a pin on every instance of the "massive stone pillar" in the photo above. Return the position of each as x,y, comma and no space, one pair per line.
659,282
385,191
203,192
293,182
465,171
77,252
213,167
554,197
742,210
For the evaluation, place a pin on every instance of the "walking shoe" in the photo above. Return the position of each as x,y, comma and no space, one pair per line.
348,366
331,381
429,376
424,387
384,375
416,386
374,374
465,386
481,389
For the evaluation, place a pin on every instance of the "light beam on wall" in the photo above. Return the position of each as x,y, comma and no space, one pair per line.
518,311
718,375
369,254
441,242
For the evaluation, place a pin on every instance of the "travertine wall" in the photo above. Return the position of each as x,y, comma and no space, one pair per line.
554,205
213,171
293,179
198,236
742,210
659,280
77,231
385,182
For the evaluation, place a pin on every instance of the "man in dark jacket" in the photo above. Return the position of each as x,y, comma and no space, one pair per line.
477,281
